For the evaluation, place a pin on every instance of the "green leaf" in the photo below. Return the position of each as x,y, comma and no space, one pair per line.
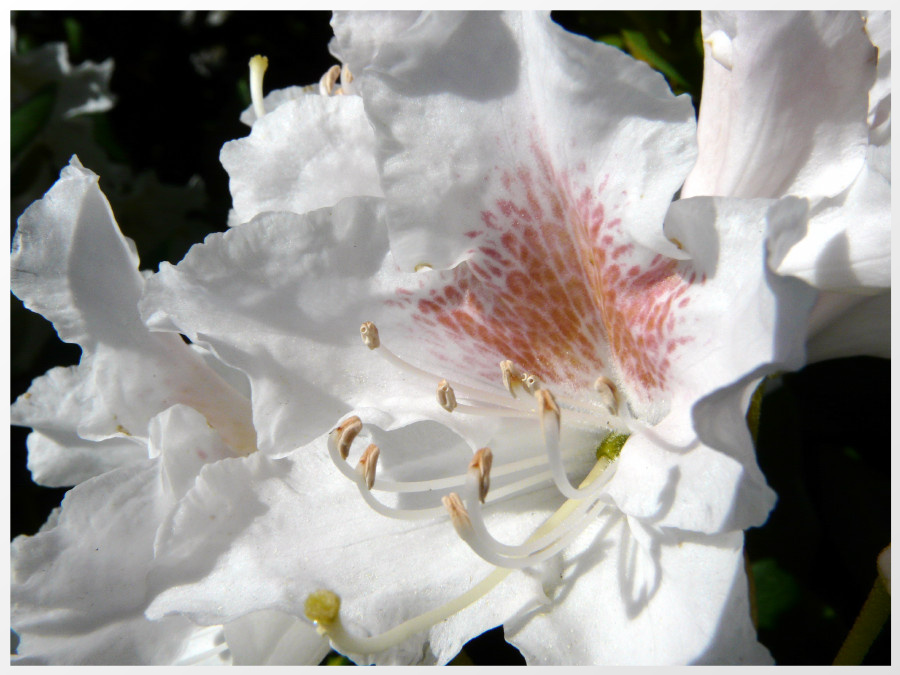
637,45
335,659
73,36
30,118
776,592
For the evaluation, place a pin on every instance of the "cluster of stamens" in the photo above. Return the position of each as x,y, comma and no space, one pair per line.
331,78
464,496
259,64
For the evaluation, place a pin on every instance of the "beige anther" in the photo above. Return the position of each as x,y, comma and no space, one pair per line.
458,514
530,383
342,436
607,390
445,396
481,463
547,405
367,464
369,335
326,83
346,75
512,376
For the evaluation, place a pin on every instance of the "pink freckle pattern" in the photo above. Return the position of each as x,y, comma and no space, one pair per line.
556,285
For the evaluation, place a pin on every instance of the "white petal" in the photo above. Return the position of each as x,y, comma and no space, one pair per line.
77,589
462,104
693,487
849,242
62,460
878,27
739,316
309,153
850,325
274,530
358,36
71,263
275,99
789,116
282,299
273,638
184,440
54,406
634,598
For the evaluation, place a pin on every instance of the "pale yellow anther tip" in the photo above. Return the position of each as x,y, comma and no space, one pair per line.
341,437
322,607
368,463
608,392
481,463
458,514
547,404
446,396
512,376
326,83
530,383
369,334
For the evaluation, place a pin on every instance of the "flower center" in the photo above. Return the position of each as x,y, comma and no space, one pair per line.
600,411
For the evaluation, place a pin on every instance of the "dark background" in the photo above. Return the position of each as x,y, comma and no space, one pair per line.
181,82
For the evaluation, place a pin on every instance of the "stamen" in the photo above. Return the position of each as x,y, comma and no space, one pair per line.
346,75
512,376
480,466
608,393
575,521
258,66
547,407
445,396
486,547
496,411
350,644
471,528
326,83
342,436
458,514
550,425
367,464
531,383
369,334
371,339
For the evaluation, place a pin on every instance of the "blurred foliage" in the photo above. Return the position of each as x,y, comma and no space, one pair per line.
30,117
823,433
669,42
824,448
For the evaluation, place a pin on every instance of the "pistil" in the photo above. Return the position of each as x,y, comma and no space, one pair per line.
348,643
258,66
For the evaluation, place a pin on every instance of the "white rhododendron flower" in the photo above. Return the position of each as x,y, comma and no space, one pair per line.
799,103
542,426
527,174
130,426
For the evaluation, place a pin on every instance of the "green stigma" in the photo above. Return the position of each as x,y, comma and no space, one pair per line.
611,446
322,607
